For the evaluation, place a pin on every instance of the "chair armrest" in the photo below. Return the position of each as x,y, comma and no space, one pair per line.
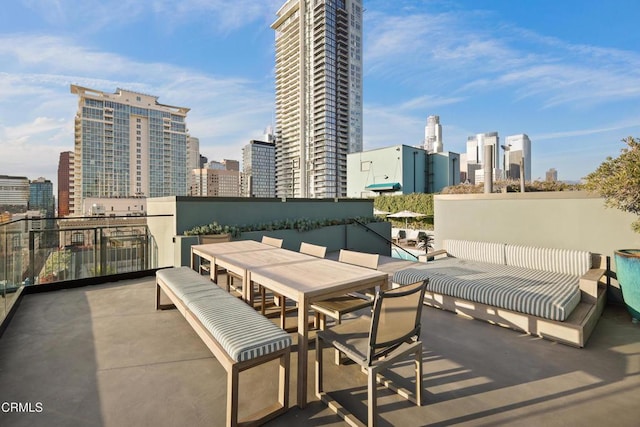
589,284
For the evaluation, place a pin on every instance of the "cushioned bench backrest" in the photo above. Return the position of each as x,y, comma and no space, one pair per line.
564,261
476,251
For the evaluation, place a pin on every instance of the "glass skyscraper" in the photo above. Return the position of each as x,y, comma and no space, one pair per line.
128,145
318,95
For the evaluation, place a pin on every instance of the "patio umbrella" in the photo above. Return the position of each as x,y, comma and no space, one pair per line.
379,212
406,215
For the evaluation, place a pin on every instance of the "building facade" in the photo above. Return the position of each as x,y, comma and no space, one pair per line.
551,175
258,169
128,145
475,163
318,69
65,184
433,135
14,193
219,179
517,151
41,197
400,169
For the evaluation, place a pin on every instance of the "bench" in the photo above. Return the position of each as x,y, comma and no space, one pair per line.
553,293
238,336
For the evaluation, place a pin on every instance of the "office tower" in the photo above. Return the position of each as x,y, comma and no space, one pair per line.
41,197
433,135
219,179
475,156
193,158
14,193
258,169
128,145
318,95
552,175
203,161
517,148
65,184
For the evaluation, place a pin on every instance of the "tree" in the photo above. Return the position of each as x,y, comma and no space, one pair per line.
618,180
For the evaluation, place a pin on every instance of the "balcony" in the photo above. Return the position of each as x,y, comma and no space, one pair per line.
102,355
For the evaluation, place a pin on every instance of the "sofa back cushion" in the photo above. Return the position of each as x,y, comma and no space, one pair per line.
566,261
492,253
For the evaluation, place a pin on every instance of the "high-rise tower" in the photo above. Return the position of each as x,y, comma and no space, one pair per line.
433,135
517,149
128,145
318,95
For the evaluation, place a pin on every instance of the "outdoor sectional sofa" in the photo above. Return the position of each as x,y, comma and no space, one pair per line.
553,293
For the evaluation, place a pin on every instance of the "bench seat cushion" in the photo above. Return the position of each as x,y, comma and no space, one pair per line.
242,332
539,293
183,281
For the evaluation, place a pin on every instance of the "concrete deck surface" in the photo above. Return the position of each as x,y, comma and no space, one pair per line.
102,356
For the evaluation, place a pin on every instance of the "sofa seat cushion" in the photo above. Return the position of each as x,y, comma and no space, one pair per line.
243,333
539,293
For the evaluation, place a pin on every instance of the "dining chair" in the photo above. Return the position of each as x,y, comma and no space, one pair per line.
375,343
336,307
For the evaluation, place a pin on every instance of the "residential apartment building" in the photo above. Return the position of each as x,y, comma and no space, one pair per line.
258,169
193,158
517,151
128,145
65,184
14,193
219,179
318,95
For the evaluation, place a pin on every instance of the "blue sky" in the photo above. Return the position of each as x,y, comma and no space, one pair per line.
567,73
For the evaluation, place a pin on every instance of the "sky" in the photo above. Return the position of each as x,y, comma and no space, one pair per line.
566,73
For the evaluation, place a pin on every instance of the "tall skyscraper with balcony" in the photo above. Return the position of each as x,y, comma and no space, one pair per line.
433,135
517,149
318,95
258,169
128,145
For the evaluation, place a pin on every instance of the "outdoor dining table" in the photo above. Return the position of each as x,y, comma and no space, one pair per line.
313,280
301,278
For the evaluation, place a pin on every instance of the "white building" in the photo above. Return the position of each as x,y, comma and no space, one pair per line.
517,148
128,145
318,95
475,156
433,135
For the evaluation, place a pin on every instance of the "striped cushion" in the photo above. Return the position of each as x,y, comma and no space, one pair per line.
476,251
184,279
242,332
564,261
539,293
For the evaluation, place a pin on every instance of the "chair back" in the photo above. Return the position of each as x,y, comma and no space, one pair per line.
214,238
361,259
272,241
314,250
396,319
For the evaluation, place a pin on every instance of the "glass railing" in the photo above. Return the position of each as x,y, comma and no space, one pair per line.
49,250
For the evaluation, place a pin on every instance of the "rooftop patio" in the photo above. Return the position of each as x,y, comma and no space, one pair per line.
101,355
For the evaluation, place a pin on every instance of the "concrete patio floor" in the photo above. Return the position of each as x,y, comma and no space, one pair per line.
103,356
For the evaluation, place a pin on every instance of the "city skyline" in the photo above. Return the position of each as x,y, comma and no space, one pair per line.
565,73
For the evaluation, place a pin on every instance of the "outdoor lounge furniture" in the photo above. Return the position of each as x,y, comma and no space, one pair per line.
238,336
375,343
552,293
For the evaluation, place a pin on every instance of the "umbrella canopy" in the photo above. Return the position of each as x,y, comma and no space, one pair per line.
406,215
379,212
